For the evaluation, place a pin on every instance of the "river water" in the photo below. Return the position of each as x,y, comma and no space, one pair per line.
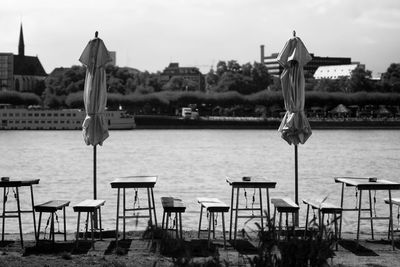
195,163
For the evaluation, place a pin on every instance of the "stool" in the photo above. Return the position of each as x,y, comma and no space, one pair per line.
285,205
176,205
323,208
395,201
91,206
212,205
52,206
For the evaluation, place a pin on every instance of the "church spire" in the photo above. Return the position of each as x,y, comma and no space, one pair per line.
21,45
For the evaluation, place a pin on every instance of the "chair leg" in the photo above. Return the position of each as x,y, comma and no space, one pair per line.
180,224
87,225
77,228
91,227
209,229
176,225
65,225
223,229
166,224
201,215
163,220
38,232
280,225
52,227
306,227
101,230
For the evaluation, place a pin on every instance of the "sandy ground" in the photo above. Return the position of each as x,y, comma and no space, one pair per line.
139,253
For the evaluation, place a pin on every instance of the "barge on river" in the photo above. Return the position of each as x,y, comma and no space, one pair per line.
34,118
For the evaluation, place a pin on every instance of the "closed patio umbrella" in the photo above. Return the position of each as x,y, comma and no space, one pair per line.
95,129
295,128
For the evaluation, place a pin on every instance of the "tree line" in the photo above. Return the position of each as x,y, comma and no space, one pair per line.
230,84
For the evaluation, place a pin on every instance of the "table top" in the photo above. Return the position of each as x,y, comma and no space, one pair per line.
365,183
255,182
19,182
134,182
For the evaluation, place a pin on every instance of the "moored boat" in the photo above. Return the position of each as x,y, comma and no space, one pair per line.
36,118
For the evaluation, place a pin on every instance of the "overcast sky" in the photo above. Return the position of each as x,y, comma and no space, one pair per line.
149,34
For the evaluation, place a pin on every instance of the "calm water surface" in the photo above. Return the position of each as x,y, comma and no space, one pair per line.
194,163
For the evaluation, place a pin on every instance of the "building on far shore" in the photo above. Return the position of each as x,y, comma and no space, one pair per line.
335,72
309,69
20,72
187,73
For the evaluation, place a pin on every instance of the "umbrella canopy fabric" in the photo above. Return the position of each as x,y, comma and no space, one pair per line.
94,57
294,127
340,109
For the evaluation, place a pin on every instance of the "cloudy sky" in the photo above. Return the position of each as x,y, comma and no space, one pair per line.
149,34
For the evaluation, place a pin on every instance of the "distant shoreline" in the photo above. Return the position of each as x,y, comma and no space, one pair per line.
171,122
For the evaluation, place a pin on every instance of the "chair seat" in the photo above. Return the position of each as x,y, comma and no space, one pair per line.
52,206
395,201
171,204
216,206
324,207
285,205
89,205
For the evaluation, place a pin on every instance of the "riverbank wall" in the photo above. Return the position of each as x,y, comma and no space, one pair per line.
170,122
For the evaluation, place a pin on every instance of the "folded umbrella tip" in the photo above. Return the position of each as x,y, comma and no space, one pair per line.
96,34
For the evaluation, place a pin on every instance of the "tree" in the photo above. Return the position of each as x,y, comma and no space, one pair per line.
360,80
260,75
221,68
233,66
391,78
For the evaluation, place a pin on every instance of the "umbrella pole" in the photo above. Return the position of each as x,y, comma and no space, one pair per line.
296,183
94,173
95,181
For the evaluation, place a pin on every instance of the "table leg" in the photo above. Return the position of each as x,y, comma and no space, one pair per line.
4,214
370,214
223,228
154,207
33,210
19,216
359,216
261,211
268,207
391,218
150,211
335,225
116,227
236,213
231,215
123,212
341,205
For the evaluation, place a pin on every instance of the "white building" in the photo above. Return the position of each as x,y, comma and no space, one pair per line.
335,71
